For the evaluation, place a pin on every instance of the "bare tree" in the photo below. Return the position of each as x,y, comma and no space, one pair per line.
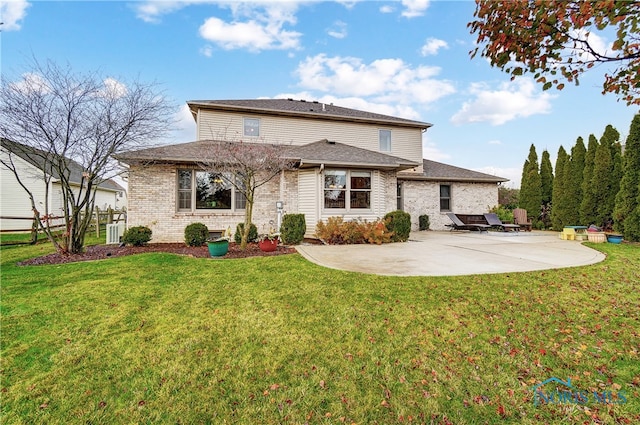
247,166
72,124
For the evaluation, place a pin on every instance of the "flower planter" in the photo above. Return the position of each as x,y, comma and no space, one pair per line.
218,248
614,238
267,245
597,237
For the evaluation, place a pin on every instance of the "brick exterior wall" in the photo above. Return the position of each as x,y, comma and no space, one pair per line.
152,203
422,197
153,193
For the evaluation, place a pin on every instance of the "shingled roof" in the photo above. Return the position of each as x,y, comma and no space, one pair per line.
302,108
312,154
38,158
437,171
338,154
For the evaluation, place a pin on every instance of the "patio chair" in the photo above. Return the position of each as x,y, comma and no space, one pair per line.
495,222
458,224
521,219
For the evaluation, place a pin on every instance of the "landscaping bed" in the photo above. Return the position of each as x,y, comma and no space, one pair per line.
102,252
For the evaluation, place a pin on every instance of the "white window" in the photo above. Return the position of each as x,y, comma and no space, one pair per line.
385,140
202,190
347,189
251,127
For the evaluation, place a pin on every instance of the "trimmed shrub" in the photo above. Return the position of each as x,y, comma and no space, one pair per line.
504,214
137,236
253,233
196,234
399,222
293,229
423,222
336,231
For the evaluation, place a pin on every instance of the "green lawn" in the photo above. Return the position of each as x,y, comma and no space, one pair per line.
159,338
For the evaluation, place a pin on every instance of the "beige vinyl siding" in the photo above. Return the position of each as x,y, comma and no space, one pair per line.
405,142
309,198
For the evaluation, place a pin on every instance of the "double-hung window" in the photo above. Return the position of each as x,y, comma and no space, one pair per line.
385,140
202,190
347,189
445,197
251,127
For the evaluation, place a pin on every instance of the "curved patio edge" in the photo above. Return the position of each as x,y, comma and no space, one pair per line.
434,253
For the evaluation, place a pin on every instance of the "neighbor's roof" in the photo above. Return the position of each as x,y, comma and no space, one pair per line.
312,154
304,109
37,158
437,171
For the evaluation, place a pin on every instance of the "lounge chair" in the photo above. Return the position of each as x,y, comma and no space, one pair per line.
460,225
521,219
495,222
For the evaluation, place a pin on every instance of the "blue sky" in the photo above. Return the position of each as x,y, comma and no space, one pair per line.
405,58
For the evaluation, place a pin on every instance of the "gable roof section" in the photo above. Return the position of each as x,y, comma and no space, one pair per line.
312,154
302,109
36,157
329,153
437,171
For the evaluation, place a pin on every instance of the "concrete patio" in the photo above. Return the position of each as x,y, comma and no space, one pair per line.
434,253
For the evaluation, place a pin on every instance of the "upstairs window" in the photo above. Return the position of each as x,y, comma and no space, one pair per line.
385,140
251,127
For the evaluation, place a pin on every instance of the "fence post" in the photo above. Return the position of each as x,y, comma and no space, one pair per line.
34,230
97,221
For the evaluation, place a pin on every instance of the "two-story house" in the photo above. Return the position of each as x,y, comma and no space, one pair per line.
349,163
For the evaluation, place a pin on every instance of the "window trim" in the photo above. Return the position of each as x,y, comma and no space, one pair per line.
441,198
380,140
192,191
244,126
347,191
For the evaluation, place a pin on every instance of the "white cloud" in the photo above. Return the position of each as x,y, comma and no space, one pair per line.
494,142
206,51
255,27
338,30
113,88
386,80
513,174
386,9
597,43
353,102
432,45
516,99
31,83
184,128
431,151
151,11
414,8
12,13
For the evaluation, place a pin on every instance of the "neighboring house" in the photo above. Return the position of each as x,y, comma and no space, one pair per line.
350,163
29,163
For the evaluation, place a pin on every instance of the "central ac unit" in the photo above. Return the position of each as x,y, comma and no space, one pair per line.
114,233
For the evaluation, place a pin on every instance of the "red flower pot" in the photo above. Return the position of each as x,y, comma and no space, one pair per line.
267,245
